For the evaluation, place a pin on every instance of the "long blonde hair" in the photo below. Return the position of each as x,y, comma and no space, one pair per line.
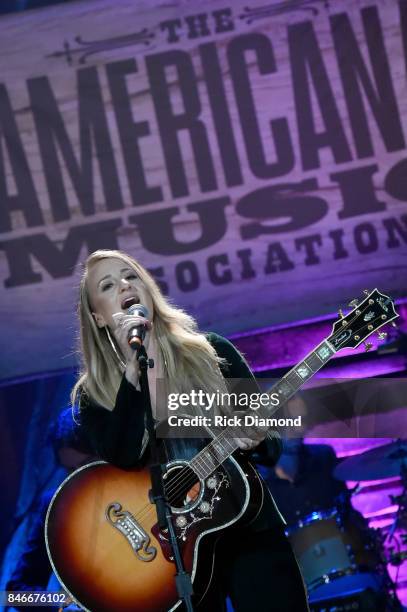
190,360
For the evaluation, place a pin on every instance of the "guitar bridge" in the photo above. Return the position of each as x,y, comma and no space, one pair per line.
135,535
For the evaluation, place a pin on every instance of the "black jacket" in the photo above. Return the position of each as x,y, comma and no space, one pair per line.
117,435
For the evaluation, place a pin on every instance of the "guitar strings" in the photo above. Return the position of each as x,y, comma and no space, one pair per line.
187,476
191,479
181,481
344,327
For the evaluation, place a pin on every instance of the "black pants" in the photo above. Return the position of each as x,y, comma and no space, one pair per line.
258,571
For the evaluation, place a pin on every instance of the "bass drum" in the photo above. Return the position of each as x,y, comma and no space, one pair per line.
334,554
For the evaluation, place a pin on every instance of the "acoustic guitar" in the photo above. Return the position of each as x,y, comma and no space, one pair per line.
101,529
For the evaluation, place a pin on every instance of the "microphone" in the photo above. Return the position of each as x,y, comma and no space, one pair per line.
137,333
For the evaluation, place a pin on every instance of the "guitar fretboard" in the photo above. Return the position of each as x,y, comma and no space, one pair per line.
303,371
221,447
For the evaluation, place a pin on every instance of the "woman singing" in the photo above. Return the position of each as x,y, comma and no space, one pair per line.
254,564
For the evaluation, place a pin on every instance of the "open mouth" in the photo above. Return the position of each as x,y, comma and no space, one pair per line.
129,301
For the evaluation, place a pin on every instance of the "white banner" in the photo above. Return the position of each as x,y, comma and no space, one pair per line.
252,157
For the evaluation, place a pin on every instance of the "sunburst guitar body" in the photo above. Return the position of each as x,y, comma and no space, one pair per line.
105,545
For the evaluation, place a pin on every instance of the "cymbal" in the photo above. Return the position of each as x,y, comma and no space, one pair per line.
381,462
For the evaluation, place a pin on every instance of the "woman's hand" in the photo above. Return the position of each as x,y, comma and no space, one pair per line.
247,443
124,323
249,437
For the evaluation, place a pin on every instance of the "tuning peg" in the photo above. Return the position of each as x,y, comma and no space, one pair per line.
353,303
340,313
393,324
366,291
368,346
382,335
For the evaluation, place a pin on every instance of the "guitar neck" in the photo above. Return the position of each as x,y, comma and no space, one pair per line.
221,447
375,311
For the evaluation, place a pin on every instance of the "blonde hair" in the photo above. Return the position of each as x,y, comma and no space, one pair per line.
191,361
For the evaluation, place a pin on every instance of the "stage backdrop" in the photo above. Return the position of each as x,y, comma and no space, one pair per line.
252,156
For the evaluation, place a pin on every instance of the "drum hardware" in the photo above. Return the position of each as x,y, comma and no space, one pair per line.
368,600
330,546
384,461
343,562
400,520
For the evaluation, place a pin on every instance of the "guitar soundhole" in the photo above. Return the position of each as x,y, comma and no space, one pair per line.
182,487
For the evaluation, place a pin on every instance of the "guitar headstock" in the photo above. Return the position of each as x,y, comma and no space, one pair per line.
372,313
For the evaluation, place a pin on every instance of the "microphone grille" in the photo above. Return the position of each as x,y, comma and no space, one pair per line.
138,309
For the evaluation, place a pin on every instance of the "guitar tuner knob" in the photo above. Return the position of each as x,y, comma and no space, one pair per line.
366,291
382,335
340,313
393,324
368,346
353,303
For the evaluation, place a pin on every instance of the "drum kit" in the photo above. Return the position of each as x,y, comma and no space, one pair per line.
343,561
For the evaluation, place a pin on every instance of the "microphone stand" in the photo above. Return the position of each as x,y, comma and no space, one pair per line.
158,496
